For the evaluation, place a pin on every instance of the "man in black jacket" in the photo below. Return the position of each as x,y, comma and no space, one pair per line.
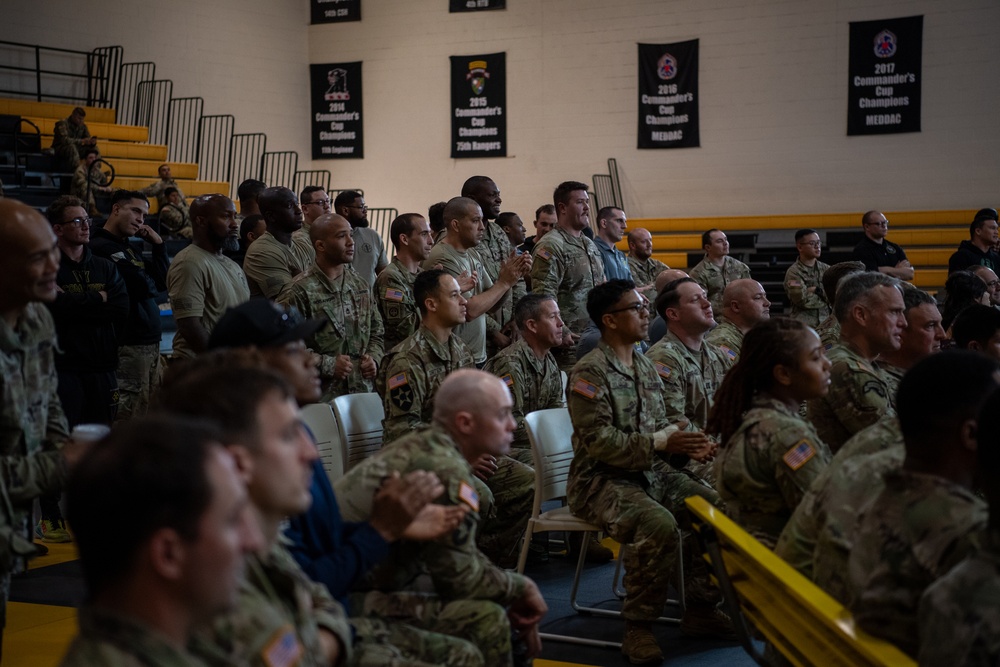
139,340
978,250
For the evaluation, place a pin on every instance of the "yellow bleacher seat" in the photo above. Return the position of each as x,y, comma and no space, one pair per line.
804,623
799,221
149,168
100,130
53,110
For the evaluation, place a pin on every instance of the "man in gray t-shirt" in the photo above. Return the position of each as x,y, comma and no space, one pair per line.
369,249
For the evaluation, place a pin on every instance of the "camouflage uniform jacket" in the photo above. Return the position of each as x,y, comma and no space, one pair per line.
809,307
270,265
85,184
157,190
859,396
176,219
355,326
66,140
817,539
277,619
767,466
409,380
615,410
394,297
111,640
689,378
728,337
32,427
644,273
917,529
456,566
535,384
494,249
959,624
714,279
829,332
893,375
567,267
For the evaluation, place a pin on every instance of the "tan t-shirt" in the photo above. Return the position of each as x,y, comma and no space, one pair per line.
270,265
203,285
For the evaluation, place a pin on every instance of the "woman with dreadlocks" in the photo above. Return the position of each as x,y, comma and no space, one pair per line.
769,455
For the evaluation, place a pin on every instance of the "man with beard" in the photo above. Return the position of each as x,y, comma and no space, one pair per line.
203,282
369,257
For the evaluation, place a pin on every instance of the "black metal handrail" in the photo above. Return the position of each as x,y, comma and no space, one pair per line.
95,72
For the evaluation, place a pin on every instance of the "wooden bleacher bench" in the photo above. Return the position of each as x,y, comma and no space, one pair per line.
802,622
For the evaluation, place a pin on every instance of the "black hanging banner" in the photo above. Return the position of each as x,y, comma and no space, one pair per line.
334,11
478,105
883,91
668,95
337,120
475,5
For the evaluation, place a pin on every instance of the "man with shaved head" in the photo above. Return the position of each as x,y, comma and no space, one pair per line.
644,267
32,425
203,283
275,258
474,599
351,347
744,304
466,229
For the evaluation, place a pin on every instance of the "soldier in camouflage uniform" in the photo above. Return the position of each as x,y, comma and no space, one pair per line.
350,349
513,227
458,254
160,189
804,280
958,621
643,265
744,305
528,368
921,337
690,369
870,311
274,259
281,613
769,456
718,269
618,479
175,216
70,137
472,421
494,249
411,236
89,181
170,474
32,422
817,539
927,518
567,265
829,328
414,369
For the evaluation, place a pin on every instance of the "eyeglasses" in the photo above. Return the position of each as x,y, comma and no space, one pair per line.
638,307
363,207
325,203
79,222
881,223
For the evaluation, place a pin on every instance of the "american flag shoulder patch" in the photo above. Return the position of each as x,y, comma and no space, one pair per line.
799,454
393,294
794,283
507,380
544,254
284,650
663,370
585,389
728,351
468,496
397,381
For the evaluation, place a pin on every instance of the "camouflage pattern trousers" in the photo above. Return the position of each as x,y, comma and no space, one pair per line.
449,631
648,523
512,488
139,373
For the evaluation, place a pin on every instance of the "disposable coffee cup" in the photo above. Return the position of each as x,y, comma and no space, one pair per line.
90,432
